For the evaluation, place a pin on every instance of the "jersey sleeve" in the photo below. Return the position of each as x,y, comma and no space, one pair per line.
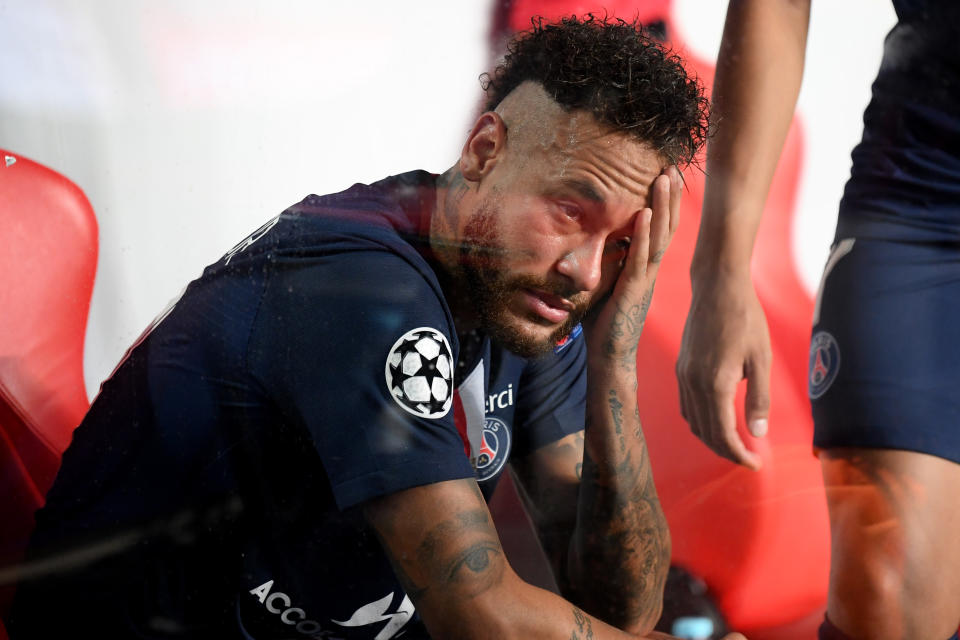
357,351
551,400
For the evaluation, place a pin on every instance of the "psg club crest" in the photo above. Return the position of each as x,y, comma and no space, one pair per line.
566,340
824,363
494,449
419,373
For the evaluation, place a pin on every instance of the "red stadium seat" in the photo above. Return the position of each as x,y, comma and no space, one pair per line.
48,257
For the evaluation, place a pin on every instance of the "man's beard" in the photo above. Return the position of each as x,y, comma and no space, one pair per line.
491,288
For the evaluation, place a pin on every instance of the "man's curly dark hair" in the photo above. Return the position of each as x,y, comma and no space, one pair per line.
617,72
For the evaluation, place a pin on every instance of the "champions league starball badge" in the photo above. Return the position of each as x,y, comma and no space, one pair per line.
419,373
824,363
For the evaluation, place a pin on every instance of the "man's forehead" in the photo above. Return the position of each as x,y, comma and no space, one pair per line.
591,164
583,188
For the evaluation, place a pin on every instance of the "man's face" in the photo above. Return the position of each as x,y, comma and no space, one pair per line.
550,228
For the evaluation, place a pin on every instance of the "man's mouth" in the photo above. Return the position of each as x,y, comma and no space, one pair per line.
549,306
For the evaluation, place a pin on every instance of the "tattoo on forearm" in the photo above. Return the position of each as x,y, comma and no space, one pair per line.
440,535
584,626
616,412
461,553
473,568
628,325
476,558
622,532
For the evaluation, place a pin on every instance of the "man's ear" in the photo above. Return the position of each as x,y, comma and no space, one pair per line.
484,146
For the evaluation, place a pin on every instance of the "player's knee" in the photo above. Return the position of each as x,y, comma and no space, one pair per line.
875,595
867,594
872,574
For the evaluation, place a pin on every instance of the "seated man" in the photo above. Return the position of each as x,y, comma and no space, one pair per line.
304,444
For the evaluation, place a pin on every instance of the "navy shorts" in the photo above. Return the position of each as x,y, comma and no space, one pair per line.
884,367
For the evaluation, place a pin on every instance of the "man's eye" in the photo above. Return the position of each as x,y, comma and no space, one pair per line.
619,249
570,210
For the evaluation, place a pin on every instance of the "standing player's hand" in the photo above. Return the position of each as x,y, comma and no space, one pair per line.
724,341
613,327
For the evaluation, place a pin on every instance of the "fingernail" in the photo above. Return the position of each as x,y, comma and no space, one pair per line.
758,427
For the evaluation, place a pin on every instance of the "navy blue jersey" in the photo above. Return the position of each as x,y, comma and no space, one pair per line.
905,180
210,488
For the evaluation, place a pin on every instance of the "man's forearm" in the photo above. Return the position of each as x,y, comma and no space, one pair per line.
620,552
451,565
759,70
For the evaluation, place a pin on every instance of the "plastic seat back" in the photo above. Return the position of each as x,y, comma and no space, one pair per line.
48,256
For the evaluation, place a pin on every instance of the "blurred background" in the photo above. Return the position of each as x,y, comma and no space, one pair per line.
188,125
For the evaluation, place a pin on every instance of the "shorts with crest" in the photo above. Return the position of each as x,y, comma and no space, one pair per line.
884,366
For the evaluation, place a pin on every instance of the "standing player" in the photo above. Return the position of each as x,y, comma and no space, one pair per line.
884,366
303,446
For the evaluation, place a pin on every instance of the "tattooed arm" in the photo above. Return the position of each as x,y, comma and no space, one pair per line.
620,552
616,564
446,553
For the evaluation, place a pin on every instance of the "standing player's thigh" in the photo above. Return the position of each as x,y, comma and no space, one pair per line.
895,557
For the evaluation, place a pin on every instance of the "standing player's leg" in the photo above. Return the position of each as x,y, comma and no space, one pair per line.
895,533
883,379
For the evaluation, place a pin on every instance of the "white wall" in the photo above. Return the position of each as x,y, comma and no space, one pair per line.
188,124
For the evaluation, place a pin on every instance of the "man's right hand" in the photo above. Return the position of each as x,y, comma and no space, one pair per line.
725,340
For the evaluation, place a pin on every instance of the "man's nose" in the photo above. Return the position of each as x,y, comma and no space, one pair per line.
582,265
